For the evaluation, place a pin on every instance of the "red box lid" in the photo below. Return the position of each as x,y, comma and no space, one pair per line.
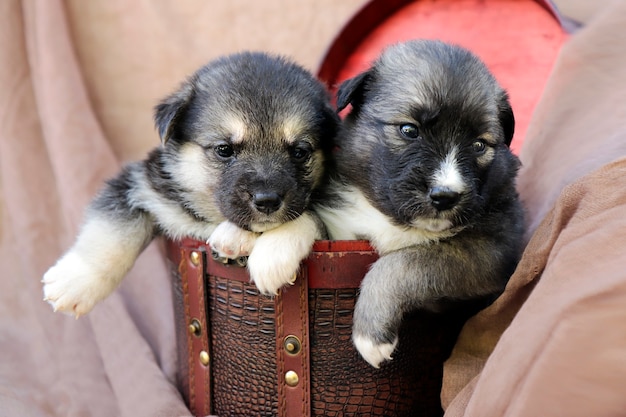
518,39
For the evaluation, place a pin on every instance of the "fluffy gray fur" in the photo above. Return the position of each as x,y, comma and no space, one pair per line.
245,144
424,171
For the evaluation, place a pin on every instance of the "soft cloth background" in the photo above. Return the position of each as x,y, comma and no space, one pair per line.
78,81
557,336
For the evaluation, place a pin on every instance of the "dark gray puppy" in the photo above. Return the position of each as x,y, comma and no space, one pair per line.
245,144
425,173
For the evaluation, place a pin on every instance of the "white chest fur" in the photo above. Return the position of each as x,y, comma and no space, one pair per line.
359,219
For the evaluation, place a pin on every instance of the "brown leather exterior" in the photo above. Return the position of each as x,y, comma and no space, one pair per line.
248,357
191,291
292,321
243,341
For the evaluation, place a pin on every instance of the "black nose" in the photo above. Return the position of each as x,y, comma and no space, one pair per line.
443,198
266,202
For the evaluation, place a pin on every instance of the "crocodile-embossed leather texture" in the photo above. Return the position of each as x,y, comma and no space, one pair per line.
243,347
243,340
343,384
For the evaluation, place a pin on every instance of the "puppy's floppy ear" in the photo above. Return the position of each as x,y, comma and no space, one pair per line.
506,117
352,91
168,112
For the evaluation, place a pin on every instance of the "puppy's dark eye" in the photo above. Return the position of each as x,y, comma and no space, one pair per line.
479,147
409,131
301,152
224,150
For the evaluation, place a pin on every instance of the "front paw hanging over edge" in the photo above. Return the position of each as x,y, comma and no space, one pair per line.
230,242
74,286
372,351
277,254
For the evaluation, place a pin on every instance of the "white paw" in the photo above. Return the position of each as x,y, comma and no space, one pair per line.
272,267
277,253
74,286
374,353
230,241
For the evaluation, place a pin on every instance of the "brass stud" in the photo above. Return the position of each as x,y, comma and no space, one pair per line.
204,358
195,328
195,257
291,378
292,345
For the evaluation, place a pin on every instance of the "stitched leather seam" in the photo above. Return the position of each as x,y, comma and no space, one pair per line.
182,268
282,403
304,300
205,337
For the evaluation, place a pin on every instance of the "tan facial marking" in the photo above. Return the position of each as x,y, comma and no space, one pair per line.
236,127
292,129
488,137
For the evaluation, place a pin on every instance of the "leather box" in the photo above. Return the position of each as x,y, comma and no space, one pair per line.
244,354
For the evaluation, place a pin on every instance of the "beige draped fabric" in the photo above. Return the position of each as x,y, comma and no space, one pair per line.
554,344
78,81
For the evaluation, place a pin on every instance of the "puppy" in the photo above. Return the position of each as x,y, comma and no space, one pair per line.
245,142
425,173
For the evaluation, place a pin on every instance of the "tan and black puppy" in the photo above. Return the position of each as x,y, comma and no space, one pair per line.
245,143
425,173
